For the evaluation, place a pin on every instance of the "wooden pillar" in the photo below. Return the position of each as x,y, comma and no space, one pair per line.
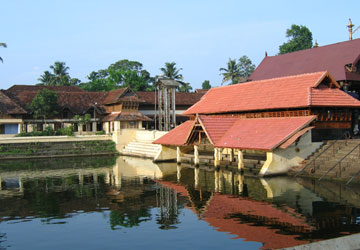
161,113
196,155
240,160
0,184
178,155
173,108
166,111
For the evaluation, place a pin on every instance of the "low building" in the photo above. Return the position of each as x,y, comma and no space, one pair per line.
280,118
108,110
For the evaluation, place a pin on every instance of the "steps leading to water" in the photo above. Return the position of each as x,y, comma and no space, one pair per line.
329,155
142,145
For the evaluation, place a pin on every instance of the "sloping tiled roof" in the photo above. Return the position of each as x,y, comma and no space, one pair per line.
125,116
278,93
181,98
331,58
177,136
113,96
262,133
229,132
71,97
9,106
15,89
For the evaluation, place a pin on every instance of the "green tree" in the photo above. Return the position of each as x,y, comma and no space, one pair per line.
245,66
171,72
206,84
82,120
231,73
44,104
300,38
123,73
58,77
2,45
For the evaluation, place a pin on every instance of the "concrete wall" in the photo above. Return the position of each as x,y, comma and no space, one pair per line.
280,160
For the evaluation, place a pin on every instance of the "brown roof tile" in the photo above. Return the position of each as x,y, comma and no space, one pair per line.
9,106
331,58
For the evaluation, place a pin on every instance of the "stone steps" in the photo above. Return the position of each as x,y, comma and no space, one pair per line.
141,148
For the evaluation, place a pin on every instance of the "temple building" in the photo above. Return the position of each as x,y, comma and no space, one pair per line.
341,60
280,119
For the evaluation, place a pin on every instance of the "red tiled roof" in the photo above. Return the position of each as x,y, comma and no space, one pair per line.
332,97
125,116
278,93
9,106
177,136
259,133
181,98
230,132
331,58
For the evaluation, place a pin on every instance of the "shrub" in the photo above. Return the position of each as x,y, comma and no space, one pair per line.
102,132
69,131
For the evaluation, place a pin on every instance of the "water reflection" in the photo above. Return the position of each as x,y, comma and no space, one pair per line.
131,193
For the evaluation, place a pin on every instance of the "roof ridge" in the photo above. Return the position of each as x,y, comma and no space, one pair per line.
319,47
271,79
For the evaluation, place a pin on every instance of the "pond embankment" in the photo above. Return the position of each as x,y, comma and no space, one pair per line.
59,146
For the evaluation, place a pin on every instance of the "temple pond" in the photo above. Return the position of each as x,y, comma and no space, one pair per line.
131,203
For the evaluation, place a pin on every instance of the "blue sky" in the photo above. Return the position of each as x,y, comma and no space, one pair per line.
199,35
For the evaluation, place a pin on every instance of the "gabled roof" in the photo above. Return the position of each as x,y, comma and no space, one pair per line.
178,136
9,106
331,58
181,98
299,91
231,132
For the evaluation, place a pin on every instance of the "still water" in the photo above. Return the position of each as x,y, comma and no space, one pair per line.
130,203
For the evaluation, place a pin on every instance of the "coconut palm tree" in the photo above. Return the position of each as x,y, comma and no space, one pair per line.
232,72
170,71
2,45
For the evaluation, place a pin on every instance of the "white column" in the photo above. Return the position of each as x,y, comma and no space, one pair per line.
196,176
217,155
196,155
94,126
178,154
216,175
240,160
178,170
241,183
